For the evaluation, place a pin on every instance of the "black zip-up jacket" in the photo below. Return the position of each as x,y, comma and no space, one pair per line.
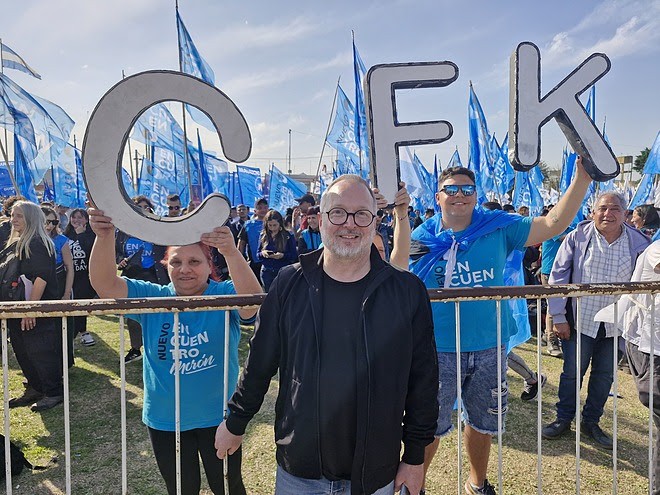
397,372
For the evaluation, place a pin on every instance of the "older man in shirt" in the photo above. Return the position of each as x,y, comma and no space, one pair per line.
600,251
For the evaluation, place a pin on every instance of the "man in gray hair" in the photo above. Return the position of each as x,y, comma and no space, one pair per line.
602,250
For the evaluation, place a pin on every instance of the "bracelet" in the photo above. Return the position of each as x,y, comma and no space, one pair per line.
401,219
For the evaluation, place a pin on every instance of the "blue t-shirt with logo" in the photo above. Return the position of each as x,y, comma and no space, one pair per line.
252,229
481,265
133,245
201,349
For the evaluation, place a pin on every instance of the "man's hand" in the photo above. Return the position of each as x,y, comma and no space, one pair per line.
226,443
101,225
401,201
411,476
222,239
562,330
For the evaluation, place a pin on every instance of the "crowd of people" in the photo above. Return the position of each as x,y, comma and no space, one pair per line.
366,364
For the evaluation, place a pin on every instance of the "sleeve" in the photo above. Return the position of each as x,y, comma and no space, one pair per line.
40,263
561,272
290,252
302,245
653,254
517,234
421,412
261,364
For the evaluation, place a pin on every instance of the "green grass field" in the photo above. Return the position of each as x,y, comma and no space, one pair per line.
96,441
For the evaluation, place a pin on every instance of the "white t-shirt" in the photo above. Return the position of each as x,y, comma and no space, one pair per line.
636,308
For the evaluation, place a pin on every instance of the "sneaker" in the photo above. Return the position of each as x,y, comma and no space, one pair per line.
556,429
592,430
531,391
29,397
133,355
554,347
86,339
487,489
544,338
46,403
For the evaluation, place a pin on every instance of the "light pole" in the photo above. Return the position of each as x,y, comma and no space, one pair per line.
289,151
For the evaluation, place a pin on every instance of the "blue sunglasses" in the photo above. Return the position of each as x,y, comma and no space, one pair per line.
466,189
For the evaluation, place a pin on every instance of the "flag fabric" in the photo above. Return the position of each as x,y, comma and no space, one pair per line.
47,120
479,161
157,182
22,174
643,193
436,206
359,72
158,127
591,104
346,164
128,183
413,176
567,171
652,165
455,160
250,184
526,192
6,186
283,190
609,184
342,135
13,60
194,64
503,173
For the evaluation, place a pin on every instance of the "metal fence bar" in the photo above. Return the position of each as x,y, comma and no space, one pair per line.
459,396
177,402
122,401
615,400
652,358
539,403
67,397
5,384
578,382
498,311
225,392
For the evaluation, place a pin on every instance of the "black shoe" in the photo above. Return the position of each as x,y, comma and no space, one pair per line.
46,403
30,396
592,430
133,355
487,489
531,391
556,429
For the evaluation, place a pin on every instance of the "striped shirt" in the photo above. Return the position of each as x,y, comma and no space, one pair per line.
603,263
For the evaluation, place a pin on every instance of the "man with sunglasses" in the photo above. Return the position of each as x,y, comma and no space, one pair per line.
468,246
173,205
352,339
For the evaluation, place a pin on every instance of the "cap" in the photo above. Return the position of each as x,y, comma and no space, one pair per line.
306,198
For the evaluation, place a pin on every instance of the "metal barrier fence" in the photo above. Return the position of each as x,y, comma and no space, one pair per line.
121,307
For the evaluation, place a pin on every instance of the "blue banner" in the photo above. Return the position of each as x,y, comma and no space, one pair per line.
652,165
342,136
283,191
643,193
526,192
479,161
6,187
22,174
359,71
13,60
250,184
455,160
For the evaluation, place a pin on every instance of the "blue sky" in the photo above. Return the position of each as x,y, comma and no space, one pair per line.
280,61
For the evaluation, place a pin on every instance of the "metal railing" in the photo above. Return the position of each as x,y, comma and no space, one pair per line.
121,307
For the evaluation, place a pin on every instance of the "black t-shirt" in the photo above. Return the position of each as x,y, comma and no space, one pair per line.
338,376
40,264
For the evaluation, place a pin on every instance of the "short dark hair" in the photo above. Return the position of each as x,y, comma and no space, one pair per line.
454,171
491,205
173,197
142,198
313,210
509,207
261,201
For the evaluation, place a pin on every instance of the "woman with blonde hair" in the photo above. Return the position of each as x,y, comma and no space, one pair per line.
37,342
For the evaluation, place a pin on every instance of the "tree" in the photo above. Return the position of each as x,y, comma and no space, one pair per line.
551,175
640,160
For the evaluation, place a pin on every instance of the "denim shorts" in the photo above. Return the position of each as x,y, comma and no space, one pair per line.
479,389
288,484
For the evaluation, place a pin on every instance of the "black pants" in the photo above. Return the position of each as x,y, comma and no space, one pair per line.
195,444
39,354
640,367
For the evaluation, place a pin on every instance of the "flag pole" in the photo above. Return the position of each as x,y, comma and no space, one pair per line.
183,110
5,148
327,131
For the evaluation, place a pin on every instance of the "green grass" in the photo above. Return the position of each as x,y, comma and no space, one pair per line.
96,441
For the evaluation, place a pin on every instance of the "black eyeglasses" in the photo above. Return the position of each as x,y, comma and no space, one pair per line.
53,222
339,216
173,207
466,189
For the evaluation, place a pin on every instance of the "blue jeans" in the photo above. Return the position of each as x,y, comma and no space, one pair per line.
288,484
479,390
599,353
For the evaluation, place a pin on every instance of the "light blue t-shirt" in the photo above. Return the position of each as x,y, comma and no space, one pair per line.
481,265
549,251
201,345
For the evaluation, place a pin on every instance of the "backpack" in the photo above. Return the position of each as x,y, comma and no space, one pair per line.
11,287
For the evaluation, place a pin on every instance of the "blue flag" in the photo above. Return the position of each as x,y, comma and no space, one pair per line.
6,186
342,135
643,193
283,190
652,165
414,175
607,185
455,160
503,173
526,192
480,161
436,206
22,174
192,63
359,72
250,184
13,60
157,182
567,171
591,104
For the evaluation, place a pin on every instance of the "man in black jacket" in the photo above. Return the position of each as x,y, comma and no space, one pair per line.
352,338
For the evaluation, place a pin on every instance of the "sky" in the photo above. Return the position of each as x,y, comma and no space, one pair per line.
280,61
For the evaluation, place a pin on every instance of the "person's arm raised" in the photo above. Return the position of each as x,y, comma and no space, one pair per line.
102,267
245,282
561,216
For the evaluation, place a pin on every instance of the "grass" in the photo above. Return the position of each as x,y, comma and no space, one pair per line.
96,441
